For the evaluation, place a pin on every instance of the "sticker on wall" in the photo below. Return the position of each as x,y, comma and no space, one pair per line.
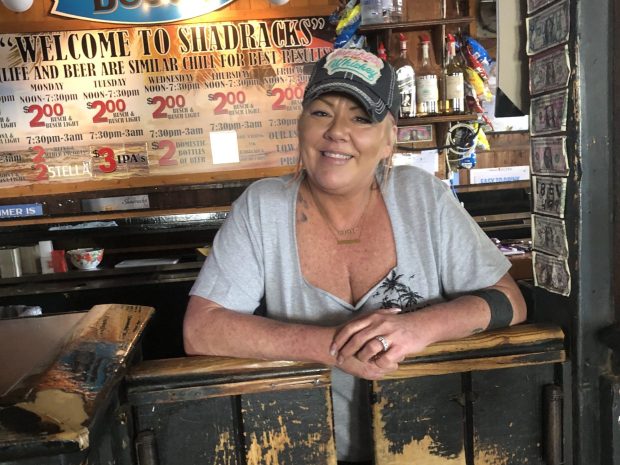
21,210
549,156
533,5
549,235
136,11
548,113
551,273
549,195
549,71
548,28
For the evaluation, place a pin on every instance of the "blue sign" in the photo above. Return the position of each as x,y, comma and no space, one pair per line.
136,11
18,211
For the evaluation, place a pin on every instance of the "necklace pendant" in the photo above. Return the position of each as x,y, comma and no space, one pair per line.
347,241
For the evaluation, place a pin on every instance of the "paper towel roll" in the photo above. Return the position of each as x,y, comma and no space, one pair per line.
45,253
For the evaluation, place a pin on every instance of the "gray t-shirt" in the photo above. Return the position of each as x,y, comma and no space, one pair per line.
441,252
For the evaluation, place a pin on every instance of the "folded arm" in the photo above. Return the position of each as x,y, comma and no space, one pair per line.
409,333
210,329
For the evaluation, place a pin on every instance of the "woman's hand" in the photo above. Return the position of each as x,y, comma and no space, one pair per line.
357,341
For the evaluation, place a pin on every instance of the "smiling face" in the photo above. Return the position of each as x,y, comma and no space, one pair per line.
340,146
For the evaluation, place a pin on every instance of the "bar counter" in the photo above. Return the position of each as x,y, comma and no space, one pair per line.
59,380
477,400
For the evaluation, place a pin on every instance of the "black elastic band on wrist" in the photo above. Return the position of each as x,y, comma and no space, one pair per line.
500,306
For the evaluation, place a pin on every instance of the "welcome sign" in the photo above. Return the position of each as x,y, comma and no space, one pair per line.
90,105
136,11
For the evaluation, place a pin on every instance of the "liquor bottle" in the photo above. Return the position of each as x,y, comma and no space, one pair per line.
392,11
372,11
381,53
453,90
405,75
427,92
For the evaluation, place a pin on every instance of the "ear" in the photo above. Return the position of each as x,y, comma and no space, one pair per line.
392,137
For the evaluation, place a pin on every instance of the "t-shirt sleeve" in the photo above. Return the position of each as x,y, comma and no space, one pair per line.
469,259
233,273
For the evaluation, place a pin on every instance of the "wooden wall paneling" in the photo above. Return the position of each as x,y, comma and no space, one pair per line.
419,420
192,431
508,415
420,10
285,427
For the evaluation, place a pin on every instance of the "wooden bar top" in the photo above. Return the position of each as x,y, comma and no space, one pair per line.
53,408
534,342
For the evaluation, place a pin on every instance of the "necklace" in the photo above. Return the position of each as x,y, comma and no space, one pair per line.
346,236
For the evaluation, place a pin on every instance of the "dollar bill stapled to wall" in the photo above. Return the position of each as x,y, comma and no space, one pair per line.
551,273
548,28
548,156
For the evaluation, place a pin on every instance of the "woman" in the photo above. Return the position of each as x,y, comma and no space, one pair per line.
358,267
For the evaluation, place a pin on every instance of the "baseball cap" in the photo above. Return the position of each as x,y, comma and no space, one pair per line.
359,74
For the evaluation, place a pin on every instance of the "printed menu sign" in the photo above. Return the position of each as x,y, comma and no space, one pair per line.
139,101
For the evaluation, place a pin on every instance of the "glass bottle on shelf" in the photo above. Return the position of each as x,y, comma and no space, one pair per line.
381,53
392,11
372,11
453,90
427,91
405,75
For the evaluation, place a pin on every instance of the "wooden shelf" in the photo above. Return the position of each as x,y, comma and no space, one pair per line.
104,278
436,119
493,186
111,216
408,25
241,174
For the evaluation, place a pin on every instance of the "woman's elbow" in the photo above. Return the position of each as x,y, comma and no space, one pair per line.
193,327
519,308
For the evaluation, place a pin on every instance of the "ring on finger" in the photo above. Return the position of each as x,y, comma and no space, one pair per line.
384,342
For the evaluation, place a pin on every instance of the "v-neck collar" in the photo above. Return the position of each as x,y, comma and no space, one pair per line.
293,227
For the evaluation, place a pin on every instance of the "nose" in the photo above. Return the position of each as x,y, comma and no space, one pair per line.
338,128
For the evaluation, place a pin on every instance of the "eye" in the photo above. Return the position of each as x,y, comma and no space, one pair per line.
362,119
319,113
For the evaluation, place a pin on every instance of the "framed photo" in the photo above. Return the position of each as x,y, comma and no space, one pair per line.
423,133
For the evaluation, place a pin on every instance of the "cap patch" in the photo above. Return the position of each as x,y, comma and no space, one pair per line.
364,65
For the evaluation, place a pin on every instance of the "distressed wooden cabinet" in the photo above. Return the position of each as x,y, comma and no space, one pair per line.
494,398
221,410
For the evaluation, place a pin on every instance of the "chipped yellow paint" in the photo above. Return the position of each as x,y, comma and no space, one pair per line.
491,455
415,452
266,450
223,449
64,409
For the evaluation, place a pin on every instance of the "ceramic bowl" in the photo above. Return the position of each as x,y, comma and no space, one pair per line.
85,259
